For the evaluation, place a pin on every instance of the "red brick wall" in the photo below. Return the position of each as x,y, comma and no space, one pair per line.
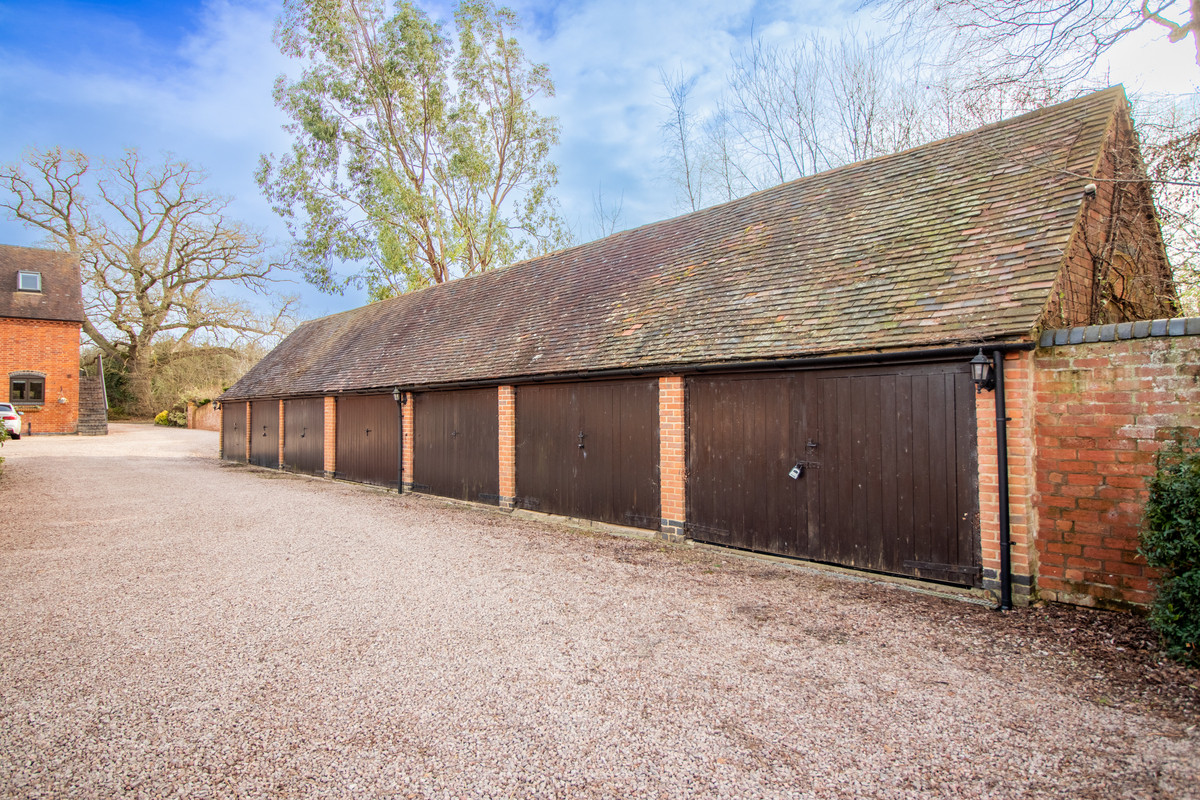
52,348
507,407
280,460
671,459
1103,410
204,418
407,433
1018,378
330,436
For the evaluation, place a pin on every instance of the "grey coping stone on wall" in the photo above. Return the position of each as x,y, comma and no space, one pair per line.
1112,332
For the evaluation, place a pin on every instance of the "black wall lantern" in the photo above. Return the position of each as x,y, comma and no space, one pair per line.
982,374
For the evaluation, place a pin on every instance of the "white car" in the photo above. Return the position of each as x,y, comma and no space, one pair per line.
11,419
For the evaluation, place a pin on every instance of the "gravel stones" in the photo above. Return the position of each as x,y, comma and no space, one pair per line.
178,627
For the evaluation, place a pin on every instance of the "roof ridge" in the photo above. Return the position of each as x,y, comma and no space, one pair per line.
955,240
748,198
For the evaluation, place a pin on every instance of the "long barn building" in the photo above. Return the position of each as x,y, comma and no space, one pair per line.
786,373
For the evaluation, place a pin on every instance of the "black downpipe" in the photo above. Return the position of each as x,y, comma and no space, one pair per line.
1002,483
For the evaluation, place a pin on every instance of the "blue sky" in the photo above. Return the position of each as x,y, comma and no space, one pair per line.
194,79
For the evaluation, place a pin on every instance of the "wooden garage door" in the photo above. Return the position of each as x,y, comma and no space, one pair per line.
264,433
590,450
887,477
304,435
233,431
368,439
456,450
746,435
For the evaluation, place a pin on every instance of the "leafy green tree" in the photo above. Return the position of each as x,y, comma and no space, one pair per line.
420,158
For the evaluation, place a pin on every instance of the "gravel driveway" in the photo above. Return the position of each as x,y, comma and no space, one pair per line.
178,627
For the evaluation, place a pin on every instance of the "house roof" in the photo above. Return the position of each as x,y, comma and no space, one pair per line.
954,242
61,297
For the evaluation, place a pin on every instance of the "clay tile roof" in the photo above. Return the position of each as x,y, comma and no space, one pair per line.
61,297
956,241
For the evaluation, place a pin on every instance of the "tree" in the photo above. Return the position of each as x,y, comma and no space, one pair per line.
421,158
1019,40
794,110
156,252
1033,53
684,157
1172,152
605,216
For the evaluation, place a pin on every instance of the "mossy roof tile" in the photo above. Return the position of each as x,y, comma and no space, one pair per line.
956,241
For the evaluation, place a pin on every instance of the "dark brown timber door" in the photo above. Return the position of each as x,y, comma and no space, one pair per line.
590,450
900,471
751,478
233,431
456,444
304,435
872,468
368,438
264,433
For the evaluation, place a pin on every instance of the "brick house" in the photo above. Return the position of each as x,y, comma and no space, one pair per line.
790,372
41,317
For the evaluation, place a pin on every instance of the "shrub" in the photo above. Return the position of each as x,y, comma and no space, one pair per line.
1170,542
173,417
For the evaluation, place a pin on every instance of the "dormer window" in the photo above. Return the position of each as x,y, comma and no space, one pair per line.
29,281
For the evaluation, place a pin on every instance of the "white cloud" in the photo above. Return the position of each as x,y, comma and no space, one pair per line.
207,96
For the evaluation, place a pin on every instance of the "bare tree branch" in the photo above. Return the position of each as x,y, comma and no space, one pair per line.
156,251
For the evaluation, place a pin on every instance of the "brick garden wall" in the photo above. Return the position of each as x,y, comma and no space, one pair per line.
52,350
205,417
1107,398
